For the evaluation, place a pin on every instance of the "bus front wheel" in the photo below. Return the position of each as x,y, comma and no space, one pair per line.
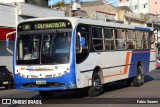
46,94
96,88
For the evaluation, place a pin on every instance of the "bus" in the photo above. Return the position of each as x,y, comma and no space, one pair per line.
158,55
65,53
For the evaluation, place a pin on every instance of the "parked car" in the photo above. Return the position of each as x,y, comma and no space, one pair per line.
6,77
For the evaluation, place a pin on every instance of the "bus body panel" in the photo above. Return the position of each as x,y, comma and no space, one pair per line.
68,80
115,65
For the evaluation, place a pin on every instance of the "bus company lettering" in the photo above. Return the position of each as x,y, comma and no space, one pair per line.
50,25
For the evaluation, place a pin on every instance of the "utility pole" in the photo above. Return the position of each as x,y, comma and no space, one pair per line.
70,8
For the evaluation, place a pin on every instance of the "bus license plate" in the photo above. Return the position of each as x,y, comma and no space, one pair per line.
5,82
41,82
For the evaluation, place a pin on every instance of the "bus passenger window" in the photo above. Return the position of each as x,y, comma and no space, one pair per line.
120,39
130,36
82,52
138,39
109,39
151,40
97,38
144,40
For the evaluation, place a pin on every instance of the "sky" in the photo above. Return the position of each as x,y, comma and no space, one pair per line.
67,1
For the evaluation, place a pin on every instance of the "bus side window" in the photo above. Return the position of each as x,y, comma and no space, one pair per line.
151,40
120,39
144,40
130,36
138,39
97,38
109,39
81,55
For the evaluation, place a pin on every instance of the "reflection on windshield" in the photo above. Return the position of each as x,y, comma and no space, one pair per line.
49,48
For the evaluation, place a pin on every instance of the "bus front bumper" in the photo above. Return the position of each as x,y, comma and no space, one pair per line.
60,83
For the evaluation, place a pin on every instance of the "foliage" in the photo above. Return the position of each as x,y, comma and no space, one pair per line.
59,4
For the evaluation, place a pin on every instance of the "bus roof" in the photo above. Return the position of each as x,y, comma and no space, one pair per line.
75,21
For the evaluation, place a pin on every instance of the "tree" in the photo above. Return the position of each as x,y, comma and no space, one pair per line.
59,4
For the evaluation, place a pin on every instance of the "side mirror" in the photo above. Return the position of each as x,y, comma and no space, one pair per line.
7,41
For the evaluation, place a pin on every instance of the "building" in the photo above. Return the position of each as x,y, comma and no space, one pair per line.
97,10
127,16
141,6
42,3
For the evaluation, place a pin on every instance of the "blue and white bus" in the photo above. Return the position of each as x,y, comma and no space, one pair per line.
67,53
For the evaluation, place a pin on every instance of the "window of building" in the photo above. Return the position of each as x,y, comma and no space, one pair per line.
109,39
136,7
97,38
144,6
120,39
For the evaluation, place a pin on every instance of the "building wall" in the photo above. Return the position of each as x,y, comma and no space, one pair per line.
11,1
5,56
155,6
43,3
7,15
4,31
31,11
137,6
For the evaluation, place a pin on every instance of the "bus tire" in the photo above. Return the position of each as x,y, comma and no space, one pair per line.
46,94
139,79
96,88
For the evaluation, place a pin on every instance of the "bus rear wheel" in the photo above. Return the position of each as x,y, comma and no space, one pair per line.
96,88
46,94
139,79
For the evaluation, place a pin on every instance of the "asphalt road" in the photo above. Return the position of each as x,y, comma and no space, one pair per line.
117,92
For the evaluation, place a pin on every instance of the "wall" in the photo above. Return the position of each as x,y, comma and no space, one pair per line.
155,8
11,1
25,9
7,15
4,31
5,56
136,6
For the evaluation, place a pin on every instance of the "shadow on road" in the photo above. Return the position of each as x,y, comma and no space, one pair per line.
81,93
148,78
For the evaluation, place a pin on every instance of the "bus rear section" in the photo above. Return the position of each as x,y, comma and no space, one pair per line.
44,56
158,55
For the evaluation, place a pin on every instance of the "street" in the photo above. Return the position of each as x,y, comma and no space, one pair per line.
112,91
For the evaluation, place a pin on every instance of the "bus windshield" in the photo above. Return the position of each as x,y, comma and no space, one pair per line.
43,48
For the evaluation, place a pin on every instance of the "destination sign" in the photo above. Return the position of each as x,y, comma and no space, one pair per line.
42,25
26,27
50,25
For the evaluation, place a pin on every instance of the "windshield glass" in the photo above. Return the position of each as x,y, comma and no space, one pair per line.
47,48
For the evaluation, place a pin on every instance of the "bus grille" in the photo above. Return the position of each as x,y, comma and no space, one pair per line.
49,84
